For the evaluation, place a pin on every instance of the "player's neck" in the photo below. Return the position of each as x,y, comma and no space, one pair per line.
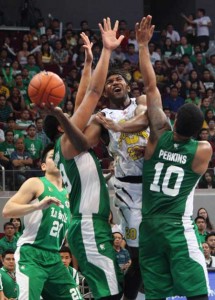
56,180
180,138
120,103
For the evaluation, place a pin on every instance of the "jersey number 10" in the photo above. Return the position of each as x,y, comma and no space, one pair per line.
155,187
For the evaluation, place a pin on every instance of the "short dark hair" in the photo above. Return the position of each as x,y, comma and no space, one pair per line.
202,10
65,249
189,120
200,218
115,71
8,251
209,235
48,148
50,127
9,130
8,224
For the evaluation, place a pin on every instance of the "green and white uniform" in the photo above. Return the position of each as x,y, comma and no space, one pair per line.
39,265
172,262
9,284
90,236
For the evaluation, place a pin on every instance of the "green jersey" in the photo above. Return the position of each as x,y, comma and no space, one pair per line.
10,287
6,244
46,229
85,184
34,147
168,179
7,149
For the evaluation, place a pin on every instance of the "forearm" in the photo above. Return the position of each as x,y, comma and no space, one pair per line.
136,124
75,136
15,210
146,67
84,82
94,91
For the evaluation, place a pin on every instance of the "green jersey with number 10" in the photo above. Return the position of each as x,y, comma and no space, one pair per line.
168,180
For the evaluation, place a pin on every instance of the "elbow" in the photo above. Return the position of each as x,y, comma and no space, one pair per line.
6,213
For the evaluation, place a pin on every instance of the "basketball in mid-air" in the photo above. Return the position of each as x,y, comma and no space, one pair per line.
46,87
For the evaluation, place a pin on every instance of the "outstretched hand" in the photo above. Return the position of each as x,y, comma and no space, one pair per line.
87,47
109,39
144,30
107,123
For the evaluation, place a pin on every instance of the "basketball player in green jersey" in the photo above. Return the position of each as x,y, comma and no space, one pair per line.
44,204
172,262
89,236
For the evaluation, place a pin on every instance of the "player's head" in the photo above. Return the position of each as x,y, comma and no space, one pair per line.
8,260
189,120
52,128
66,256
116,86
47,162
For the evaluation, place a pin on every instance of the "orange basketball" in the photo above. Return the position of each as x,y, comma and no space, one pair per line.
46,87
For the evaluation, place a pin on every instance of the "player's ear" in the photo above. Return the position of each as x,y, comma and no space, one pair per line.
128,88
104,94
43,166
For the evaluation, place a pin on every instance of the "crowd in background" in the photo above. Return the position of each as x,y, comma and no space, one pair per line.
184,63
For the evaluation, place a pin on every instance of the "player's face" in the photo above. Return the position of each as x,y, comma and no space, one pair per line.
49,165
66,258
9,262
116,88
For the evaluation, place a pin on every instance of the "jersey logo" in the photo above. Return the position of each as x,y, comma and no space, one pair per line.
102,247
50,189
22,267
67,204
176,146
57,158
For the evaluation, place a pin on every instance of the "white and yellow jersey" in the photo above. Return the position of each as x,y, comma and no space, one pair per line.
127,148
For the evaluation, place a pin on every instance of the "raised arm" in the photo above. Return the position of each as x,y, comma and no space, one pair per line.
95,89
86,74
157,119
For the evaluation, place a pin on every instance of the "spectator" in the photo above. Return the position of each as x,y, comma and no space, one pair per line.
175,81
199,64
18,226
195,83
122,254
207,80
203,23
8,78
153,54
8,275
161,76
66,257
16,102
173,101
201,225
68,108
117,56
132,40
16,68
96,49
205,105
132,56
211,66
5,110
193,98
188,65
3,89
181,71
172,34
40,134
6,148
203,213
210,239
211,129
168,114
9,240
60,55
23,54
210,260
184,47
11,125
44,57
31,66
33,145
21,162
190,30
23,123
168,51
207,181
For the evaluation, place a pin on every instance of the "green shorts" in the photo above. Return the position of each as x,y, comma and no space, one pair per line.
171,260
91,243
41,272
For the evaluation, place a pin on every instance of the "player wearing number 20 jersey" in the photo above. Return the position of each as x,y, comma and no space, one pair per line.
168,190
